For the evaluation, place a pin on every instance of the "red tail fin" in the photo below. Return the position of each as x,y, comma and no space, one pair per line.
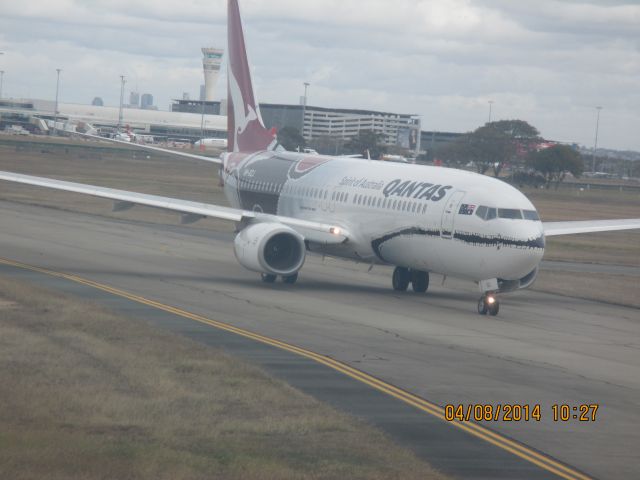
246,131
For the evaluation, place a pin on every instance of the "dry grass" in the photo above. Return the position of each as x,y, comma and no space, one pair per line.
88,394
618,289
115,167
622,248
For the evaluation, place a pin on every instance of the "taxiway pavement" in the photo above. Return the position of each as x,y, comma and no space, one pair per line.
542,348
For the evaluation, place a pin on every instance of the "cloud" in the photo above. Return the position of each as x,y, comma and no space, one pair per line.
548,62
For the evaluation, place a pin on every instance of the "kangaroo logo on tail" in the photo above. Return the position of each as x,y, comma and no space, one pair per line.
246,130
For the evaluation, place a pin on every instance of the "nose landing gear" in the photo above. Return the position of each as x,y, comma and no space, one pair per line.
488,304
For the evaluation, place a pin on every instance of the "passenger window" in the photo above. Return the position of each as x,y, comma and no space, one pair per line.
424,208
346,197
531,215
481,211
510,213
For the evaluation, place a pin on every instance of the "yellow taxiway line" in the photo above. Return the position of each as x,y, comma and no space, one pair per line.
426,406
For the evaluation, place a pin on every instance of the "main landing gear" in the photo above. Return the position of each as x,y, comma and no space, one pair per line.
288,279
402,277
488,304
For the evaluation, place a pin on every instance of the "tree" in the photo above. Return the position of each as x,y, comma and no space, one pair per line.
291,139
486,147
491,146
555,162
366,140
327,145
523,138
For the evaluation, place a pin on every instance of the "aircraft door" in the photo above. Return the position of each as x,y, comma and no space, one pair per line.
449,214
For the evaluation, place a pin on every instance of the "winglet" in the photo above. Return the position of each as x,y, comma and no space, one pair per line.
246,130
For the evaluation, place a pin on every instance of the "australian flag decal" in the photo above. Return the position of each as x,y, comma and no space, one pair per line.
466,209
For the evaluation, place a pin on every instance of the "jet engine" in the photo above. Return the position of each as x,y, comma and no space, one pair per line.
270,248
524,282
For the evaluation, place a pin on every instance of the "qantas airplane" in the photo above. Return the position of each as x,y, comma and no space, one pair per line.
419,219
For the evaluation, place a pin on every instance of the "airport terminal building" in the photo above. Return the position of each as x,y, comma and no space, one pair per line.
162,125
395,129
187,123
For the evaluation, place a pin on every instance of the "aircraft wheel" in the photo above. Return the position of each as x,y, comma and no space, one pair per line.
482,306
488,304
268,278
494,308
401,278
419,281
290,279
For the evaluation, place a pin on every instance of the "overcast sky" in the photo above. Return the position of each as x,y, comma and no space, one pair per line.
548,62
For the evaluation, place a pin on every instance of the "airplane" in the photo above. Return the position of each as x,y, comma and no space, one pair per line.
418,219
211,143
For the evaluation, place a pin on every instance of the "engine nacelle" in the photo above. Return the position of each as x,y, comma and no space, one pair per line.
270,248
524,282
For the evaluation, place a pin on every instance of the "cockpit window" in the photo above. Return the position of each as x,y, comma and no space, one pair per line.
510,213
489,213
486,213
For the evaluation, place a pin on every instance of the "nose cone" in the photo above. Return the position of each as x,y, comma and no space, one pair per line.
526,249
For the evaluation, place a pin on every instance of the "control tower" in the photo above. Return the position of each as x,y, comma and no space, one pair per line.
211,63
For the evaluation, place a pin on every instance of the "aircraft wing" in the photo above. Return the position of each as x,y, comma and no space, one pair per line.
552,229
312,231
142,146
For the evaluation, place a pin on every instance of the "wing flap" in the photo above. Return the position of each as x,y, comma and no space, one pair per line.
589,226
312,231
167,203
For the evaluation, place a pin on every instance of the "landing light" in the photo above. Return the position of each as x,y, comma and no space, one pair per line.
491,300
334,231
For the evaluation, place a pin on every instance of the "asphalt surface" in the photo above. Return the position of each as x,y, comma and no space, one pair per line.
541,349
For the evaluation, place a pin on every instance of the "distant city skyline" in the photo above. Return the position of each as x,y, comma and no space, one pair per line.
549,63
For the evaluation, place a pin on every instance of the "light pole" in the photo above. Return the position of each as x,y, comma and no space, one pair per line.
55,112
1,77
490,104
595,143
122,82
304,107
202,127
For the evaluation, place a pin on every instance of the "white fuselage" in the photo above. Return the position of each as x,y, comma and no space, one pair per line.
420,217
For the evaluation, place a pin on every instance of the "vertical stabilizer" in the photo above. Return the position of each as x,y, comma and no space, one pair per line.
246,131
